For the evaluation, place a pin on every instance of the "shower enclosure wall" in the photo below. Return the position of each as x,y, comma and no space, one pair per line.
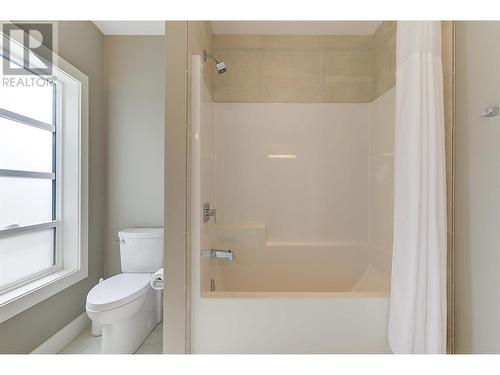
295,154
303,194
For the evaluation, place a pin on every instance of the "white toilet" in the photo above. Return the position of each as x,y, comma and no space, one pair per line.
126,305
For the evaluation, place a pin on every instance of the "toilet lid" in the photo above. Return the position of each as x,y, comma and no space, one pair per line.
117,291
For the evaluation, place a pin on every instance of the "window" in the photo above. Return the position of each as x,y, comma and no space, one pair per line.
43,182
29,215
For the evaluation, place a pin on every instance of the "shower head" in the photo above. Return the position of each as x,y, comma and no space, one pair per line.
219,65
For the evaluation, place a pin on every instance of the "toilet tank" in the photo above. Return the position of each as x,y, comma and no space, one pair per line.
141,249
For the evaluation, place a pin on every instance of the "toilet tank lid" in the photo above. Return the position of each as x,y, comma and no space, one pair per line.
141,233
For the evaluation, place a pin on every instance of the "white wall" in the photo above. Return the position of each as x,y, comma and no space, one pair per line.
322,195
381,210
312,223
477,196
135,98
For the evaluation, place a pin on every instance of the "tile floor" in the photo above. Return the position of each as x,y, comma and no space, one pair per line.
85,343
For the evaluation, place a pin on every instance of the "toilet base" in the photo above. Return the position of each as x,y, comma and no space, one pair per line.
126,336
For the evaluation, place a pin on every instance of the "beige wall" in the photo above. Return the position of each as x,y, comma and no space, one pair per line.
183,40
306,69
176,260
477,201
200,38
384,58
275,68
80,43
134,84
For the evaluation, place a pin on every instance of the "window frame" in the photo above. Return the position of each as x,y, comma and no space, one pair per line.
55,223
70,217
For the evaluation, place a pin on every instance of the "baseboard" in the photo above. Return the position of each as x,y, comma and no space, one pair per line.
63,337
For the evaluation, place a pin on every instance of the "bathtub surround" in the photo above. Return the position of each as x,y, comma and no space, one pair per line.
283,215
320,196
285,259
381,183
417,320
298,210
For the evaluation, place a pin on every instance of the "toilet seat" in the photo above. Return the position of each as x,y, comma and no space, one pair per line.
117,291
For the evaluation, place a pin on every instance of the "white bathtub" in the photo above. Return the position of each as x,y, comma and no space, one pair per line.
272,321
278,296
307,323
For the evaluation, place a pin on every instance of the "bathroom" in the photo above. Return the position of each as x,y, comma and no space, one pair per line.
251,187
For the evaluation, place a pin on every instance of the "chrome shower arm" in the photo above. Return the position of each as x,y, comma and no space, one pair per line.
207,56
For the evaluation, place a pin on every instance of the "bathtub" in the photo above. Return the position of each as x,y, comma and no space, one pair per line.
272,322
299,315
276,298
330,323
293,296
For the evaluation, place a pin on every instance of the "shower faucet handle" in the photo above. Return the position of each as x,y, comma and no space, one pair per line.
208,213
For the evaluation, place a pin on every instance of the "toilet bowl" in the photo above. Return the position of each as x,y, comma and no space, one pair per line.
128,309
126,305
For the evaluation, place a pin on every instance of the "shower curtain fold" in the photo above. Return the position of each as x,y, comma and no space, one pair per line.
417,320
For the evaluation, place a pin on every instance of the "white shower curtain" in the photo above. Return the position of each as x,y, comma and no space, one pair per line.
417,321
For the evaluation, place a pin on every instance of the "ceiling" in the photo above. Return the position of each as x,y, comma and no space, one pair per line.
295,27
131,27
247,27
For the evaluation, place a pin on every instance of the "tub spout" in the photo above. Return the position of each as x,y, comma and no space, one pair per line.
217,253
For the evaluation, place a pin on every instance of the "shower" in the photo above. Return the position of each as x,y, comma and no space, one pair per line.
220,65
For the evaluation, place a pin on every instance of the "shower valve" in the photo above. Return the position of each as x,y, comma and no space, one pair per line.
208,212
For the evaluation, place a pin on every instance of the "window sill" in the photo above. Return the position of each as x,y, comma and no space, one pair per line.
28,295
